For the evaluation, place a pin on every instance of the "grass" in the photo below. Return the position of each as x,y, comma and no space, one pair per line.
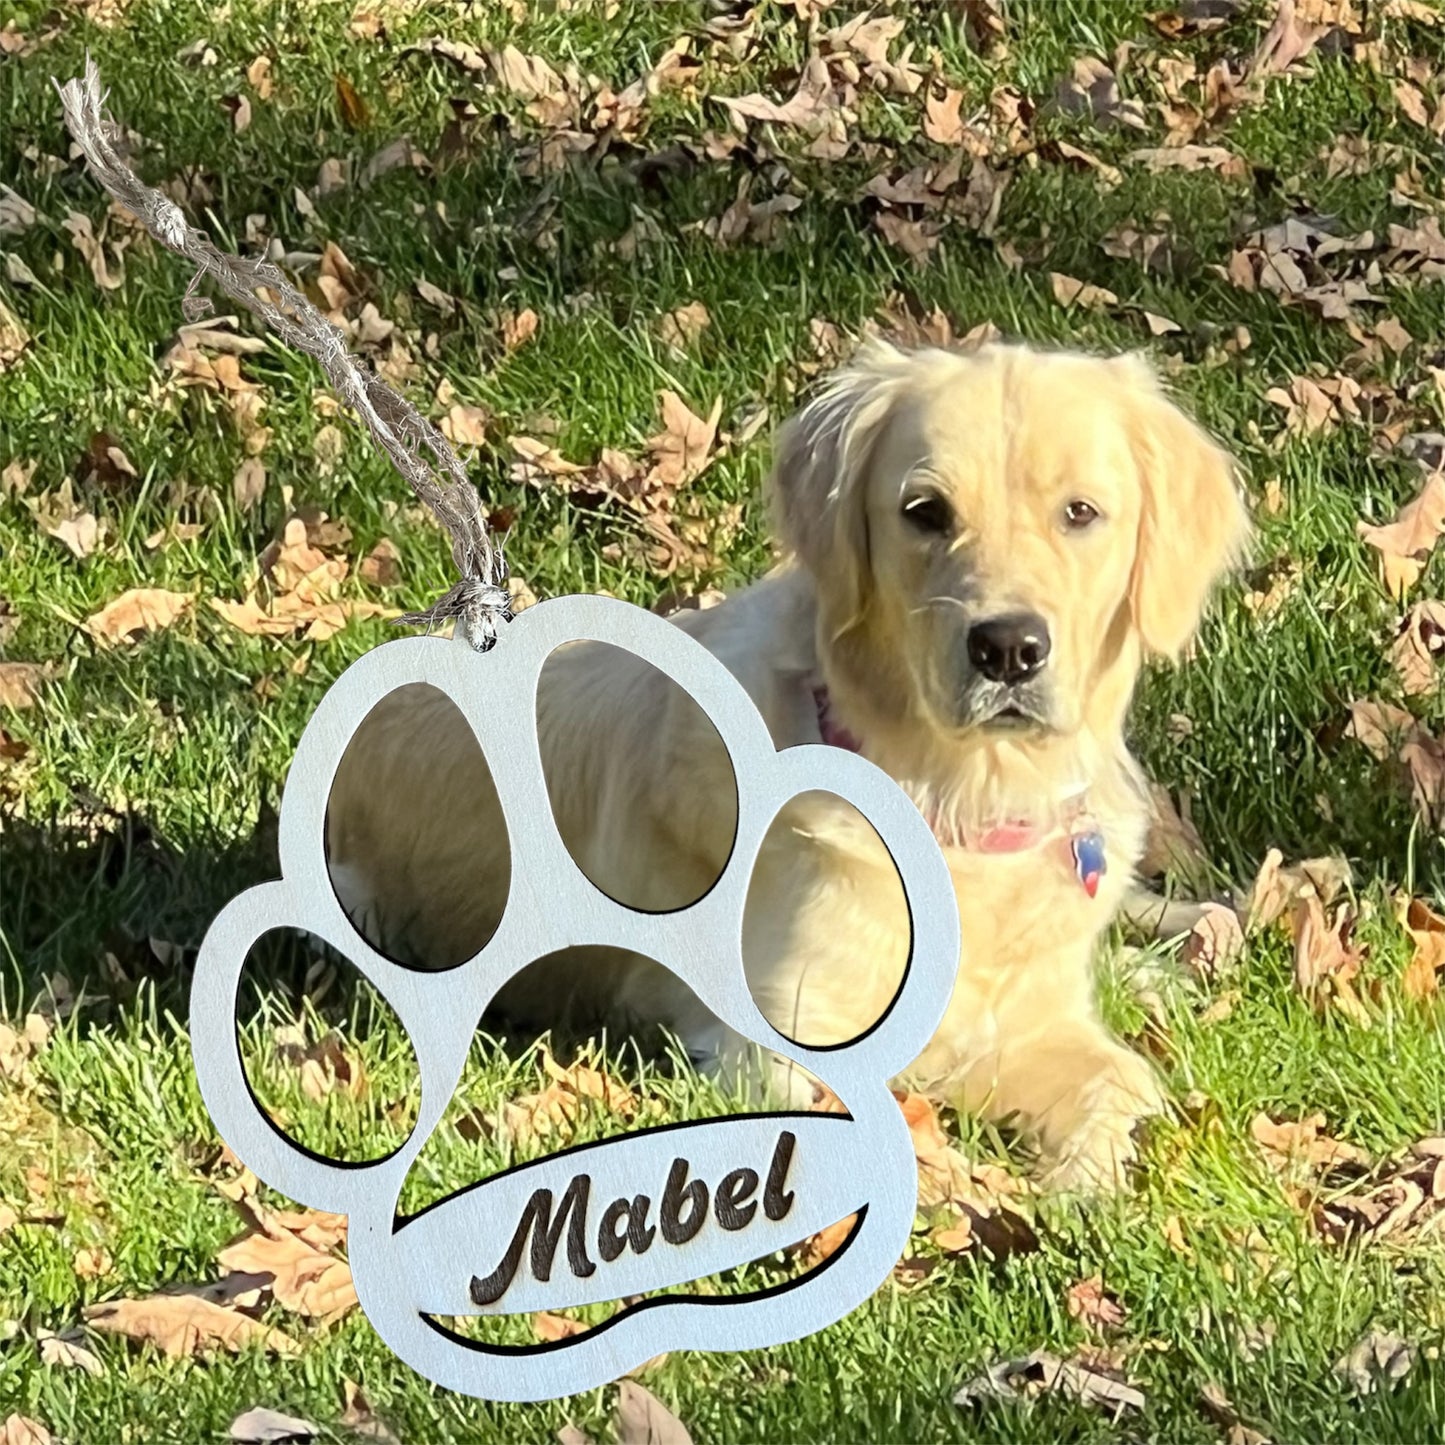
146,793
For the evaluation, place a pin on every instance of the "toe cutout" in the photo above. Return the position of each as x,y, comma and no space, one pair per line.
416,839
826,931
642,789
325,1055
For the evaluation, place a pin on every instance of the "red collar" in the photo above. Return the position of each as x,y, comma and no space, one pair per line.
1084,843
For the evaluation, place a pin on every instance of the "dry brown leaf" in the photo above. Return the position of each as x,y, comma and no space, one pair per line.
185,1324
1326,958
361,1419
518,328
826,1243
682,327
942,122
83,238
1069,291
1191,158
381,567
1419,647
1292,1148
92,1263
292,1253
248,486
137,613
20,683
14,337
21,1430
68,1352
1089,1302
466,426
58,515
1406,542
1289,38
642,1419
681,451
1215,942
552,1327
1044,1373
263,1426
1092,89
1426,931
917,239
1277,889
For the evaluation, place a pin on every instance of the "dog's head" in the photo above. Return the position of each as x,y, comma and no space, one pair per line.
998,537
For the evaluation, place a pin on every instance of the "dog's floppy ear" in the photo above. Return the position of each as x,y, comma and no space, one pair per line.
1193,525
817,483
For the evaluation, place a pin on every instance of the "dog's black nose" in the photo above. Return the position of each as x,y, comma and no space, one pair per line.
1009,649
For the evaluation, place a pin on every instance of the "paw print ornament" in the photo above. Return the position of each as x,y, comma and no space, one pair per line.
633,1215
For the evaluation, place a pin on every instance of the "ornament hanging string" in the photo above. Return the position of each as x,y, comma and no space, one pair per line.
480,600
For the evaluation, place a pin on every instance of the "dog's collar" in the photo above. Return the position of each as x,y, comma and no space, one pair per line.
1076,830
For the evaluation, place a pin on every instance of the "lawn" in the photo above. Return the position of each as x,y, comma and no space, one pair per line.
541,222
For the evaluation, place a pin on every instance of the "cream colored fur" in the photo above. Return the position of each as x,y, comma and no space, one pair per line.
1007,436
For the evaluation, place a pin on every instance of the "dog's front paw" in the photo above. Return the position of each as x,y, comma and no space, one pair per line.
1090,1144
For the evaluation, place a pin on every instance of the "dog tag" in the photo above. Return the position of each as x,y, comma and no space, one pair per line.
652,1209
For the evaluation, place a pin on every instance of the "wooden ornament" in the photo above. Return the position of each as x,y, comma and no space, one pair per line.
631,1215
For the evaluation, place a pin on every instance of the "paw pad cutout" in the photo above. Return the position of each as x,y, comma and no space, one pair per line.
628,1215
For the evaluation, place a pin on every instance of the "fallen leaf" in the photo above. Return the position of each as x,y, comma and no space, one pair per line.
20,1430
137,613
68,1352
1419,647
942,122
1068,291
1092,89
16,213
642,1419
682,327
466,426
262,1425
248,486
826,1242
1426,931
1378,1358
304,1275
361,1419
1089,1302
681,451
381,567
182,1324
1302,1147
1288,40
518,328
1044,1373
1191,158
917,239
555,1327
1406,542
92,1263
1326,958
1277,889
20,683
355,113
1215,942
58,515
83,238
14,337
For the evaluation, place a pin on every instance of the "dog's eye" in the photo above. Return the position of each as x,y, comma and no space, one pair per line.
1080,514
928,512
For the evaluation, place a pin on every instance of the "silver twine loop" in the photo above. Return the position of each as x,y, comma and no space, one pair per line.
480,601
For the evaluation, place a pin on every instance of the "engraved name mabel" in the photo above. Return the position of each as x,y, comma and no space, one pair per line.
627,1223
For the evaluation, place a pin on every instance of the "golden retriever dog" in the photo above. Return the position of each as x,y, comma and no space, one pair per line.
984,547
